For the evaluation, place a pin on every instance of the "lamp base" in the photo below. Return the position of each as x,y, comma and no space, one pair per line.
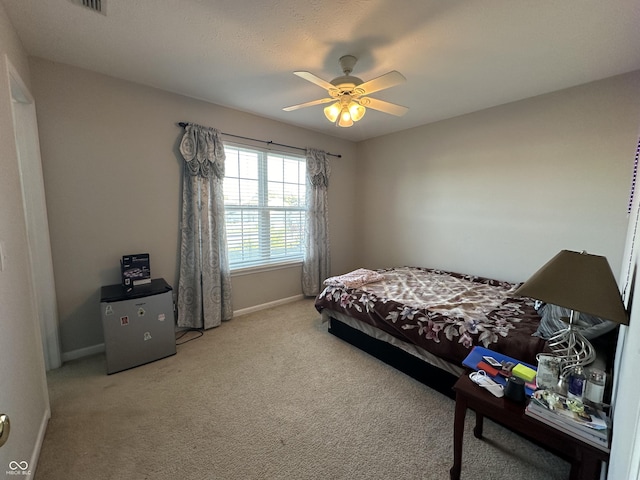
571,347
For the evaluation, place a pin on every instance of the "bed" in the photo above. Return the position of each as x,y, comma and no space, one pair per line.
428,316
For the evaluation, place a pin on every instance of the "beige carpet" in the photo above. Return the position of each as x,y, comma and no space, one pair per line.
270,395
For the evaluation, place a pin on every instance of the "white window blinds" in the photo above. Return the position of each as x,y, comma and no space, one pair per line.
264,197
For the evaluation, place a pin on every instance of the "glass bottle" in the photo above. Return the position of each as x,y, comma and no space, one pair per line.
577,383
594,391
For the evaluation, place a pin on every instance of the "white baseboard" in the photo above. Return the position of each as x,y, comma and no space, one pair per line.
275,303
35,455
87,351
82,352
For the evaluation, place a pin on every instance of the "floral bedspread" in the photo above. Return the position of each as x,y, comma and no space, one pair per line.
443,312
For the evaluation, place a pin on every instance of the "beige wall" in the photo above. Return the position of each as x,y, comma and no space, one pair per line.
23,395
500,191
113,177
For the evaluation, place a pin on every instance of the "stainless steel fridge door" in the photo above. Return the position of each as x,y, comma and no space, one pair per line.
138,331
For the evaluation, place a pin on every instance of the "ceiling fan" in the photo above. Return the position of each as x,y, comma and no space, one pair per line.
351,95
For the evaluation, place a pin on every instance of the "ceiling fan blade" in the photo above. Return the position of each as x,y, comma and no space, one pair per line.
309,104
381,105
314,79
387,80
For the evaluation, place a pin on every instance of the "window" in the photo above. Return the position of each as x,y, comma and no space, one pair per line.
264,202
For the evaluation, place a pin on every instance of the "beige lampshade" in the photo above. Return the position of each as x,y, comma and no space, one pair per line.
579,281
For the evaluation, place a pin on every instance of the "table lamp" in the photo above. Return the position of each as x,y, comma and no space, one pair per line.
580,282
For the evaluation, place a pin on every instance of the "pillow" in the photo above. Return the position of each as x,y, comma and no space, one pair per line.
588,325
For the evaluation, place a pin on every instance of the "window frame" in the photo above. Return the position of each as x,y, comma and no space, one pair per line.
267,261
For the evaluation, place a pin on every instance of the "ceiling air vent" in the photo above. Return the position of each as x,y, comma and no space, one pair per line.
95,5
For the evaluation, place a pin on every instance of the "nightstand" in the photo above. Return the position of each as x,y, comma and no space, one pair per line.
585,459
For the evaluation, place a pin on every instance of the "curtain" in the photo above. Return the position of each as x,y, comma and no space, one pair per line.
204,287
315,266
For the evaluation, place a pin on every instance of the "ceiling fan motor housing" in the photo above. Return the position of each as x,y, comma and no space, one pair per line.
347,62
347,83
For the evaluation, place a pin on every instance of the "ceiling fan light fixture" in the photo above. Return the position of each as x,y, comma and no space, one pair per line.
332,112
349,96
357,111
345,118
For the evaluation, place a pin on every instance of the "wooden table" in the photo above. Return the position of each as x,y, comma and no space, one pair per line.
585,459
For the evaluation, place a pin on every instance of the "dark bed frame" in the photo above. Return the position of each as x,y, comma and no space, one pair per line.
416,368
435,377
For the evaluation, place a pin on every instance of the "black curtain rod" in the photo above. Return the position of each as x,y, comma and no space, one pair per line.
268,142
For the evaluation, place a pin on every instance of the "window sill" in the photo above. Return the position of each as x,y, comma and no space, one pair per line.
265,268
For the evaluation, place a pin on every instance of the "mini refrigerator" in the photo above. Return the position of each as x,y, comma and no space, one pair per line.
139,325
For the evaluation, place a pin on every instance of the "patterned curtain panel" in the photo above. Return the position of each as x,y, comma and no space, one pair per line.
204,287
315,267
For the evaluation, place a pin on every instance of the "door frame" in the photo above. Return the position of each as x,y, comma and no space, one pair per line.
23,112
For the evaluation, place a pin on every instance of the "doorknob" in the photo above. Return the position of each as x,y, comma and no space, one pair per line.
5,426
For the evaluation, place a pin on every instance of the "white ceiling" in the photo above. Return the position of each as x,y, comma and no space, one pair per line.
458,56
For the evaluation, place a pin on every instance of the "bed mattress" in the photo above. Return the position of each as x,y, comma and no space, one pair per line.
443,313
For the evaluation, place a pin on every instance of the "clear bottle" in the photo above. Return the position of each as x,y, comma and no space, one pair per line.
577,383
594,391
